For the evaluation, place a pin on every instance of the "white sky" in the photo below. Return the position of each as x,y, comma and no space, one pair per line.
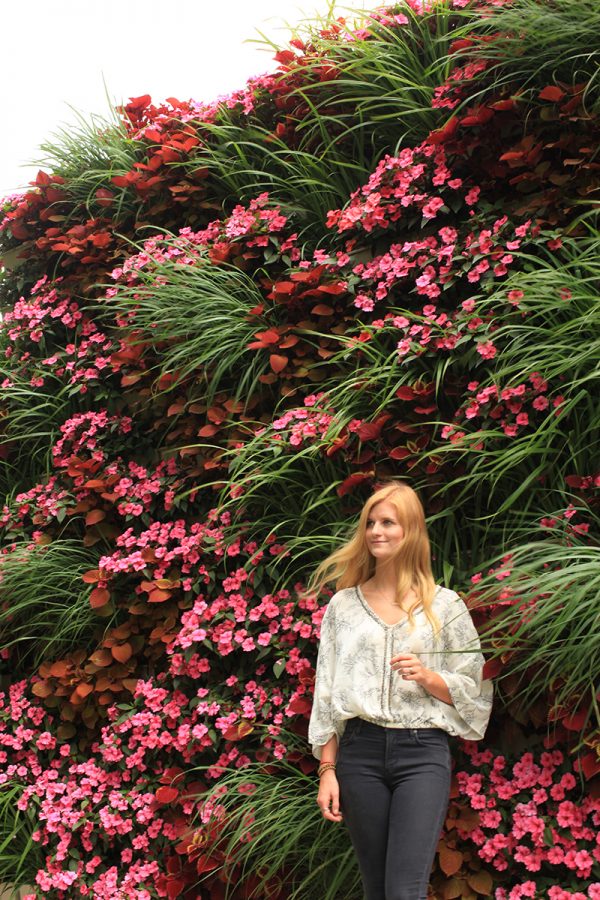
58,54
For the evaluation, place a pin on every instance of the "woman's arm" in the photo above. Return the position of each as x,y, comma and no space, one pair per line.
328,798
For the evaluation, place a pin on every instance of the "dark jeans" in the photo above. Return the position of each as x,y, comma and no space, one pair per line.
394,787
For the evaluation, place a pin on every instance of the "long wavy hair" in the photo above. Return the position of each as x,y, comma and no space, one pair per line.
352,564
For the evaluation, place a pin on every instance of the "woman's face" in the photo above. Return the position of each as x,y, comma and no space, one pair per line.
384,532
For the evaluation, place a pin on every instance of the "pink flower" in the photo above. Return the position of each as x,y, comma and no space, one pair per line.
487,349
432,207
515,297
473,196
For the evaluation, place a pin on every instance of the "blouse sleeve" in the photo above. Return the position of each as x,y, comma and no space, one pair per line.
463,672
321,727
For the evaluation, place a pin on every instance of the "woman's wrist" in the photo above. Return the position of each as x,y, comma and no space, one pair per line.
435,685
426,679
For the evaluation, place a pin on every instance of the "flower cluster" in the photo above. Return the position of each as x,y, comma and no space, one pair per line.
303,424
247,230
512,408
81,433
42,503
401,188
535,820
132,790
33,324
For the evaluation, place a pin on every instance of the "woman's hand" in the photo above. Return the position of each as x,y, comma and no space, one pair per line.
328,798
410,668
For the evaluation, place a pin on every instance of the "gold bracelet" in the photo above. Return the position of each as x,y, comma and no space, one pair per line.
324,767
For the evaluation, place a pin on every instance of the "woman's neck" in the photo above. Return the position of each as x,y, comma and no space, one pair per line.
385,579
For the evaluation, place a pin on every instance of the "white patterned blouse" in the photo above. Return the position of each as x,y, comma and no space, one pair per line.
354,676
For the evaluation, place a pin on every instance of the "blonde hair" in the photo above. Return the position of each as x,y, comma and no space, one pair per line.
353,564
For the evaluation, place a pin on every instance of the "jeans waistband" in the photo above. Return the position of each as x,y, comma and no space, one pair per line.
368,725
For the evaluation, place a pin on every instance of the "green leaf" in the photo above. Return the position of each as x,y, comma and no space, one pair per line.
278,667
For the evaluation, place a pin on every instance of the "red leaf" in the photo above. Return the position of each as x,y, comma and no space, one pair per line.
278,362
99,597
120,180
267,337
589,764
175,888
138,102
300,706
321,309
501,105
94,483
59,669
441,135
104,197
205,863
84,689
512,154
122,652
91,576
238,731
167,794
101,658
481,882
574,481
339,288
399,453
406,393
95,515
479,116
551,92
216,415
207,431
102,239
158,596
576,721
450,860
337,445
307,277
285,56
128,380
170,775
460,44
348,484
284,287
492,668
369,431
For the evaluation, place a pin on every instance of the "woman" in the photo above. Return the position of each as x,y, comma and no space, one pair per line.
399,669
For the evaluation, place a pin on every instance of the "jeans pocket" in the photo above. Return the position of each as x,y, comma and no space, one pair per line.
431,737
436,747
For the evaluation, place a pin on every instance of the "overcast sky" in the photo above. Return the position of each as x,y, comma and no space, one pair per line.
58,54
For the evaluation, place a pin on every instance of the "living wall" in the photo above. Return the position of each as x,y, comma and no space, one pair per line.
222,325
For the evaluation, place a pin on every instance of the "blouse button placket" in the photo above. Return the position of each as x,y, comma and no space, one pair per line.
386,675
